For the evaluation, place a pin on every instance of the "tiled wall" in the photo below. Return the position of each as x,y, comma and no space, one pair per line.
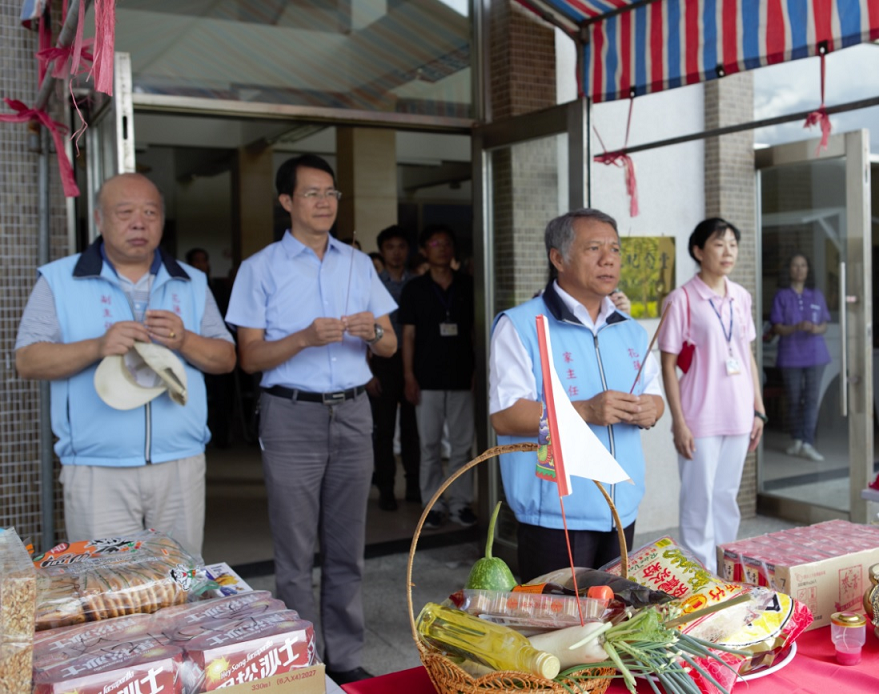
19,225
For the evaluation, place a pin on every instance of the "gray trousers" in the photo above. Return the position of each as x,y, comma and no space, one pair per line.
318,465
438,407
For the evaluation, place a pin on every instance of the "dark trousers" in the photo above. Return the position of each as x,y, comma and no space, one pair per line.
384,414
317,466
542,550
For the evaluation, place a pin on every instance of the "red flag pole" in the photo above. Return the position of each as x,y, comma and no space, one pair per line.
650,348
558,460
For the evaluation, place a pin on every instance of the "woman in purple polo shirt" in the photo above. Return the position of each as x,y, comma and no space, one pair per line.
799,316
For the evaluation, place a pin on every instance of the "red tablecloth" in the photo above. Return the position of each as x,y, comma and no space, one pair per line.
813,670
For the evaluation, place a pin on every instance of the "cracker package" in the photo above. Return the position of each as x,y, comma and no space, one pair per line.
764,623
95,580
145,666
235,653
17,607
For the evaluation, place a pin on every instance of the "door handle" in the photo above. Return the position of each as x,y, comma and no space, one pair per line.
843,343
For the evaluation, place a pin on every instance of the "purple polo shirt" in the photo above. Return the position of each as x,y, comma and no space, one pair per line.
800,349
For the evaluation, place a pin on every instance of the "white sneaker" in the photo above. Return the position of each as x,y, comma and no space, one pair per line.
808,451
795,447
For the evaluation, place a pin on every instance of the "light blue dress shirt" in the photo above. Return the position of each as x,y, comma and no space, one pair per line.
285,286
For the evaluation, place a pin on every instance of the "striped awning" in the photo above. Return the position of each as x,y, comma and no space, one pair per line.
634,47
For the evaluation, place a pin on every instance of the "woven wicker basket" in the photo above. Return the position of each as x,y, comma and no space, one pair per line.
447,677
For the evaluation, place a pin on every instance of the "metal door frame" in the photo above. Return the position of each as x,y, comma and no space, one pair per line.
571,119
856,378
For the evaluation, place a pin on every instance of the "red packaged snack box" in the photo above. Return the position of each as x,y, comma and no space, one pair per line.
142,667
231,607
233,656
57,645
184,634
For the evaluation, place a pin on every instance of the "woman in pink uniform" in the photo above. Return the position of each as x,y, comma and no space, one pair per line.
717,407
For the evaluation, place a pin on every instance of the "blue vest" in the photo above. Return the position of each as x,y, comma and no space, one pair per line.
586,364
88,300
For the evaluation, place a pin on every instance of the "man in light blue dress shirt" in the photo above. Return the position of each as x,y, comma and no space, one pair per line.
307,310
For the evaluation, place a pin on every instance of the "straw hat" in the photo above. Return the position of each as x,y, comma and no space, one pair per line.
140,375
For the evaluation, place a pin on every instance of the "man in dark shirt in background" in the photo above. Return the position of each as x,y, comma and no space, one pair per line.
386,387
436,311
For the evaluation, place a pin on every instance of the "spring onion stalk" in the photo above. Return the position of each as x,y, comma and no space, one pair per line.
644,646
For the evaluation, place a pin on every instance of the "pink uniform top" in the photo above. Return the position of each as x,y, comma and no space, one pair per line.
714,402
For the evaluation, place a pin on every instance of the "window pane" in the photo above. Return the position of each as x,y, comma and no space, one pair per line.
374,55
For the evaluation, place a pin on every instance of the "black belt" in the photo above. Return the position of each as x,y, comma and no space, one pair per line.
305,396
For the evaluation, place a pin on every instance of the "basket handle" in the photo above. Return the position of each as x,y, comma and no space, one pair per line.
491,453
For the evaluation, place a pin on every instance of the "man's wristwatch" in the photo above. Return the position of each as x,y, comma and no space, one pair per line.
761,416
379,334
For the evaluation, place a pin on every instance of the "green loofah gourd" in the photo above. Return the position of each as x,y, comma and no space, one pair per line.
491,573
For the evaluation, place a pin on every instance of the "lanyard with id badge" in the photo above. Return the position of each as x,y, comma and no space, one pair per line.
733,367
448,328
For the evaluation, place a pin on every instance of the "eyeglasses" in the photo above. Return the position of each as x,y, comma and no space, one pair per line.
315,195
439,243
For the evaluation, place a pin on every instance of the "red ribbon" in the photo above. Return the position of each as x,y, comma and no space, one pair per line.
820,117
620,158
23,114
105,39
61,54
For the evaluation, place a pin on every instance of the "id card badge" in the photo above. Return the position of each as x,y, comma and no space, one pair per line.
448,329
733,368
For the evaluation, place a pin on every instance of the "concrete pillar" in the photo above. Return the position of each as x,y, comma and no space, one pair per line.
253,202
525,177
730,192
366,173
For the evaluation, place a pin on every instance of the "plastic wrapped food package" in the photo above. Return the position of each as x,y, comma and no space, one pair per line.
17,608
140,666
765,625
96,580
264,646
528,610
193,648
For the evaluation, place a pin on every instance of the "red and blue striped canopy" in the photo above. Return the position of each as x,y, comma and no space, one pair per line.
633,47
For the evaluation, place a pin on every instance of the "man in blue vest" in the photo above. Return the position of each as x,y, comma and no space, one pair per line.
597,352
124,470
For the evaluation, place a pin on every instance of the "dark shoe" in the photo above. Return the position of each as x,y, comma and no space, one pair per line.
386,500
434,519
413,494
463,516
348,676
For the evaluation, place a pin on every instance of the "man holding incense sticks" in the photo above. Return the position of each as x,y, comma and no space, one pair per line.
597,352
308,308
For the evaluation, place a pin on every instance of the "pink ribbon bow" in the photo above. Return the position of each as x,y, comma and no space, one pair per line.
820,117
23,114
621,158
61,55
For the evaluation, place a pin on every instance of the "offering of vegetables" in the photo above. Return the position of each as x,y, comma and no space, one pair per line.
491,573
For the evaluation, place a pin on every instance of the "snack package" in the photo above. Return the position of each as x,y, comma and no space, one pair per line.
17,606
181,634
67,643
531,611
96,580
144,666
233,654
764,625
229,582
232,607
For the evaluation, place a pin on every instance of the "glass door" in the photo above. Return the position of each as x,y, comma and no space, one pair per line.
816,304
527,170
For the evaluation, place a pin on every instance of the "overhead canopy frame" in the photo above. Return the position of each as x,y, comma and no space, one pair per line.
635,47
